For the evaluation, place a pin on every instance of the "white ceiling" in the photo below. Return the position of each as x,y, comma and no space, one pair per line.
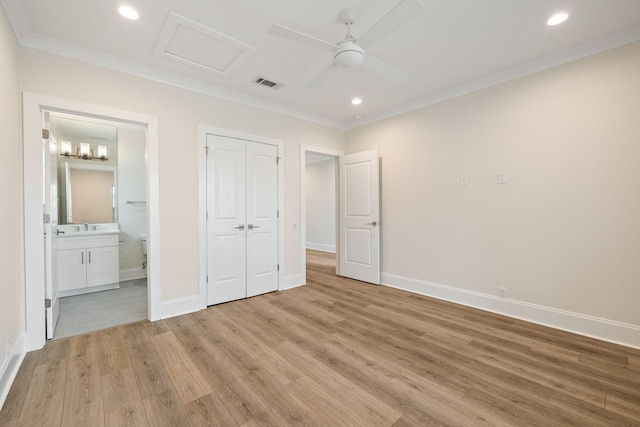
456,46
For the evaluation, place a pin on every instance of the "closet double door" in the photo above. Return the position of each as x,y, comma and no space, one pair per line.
242,219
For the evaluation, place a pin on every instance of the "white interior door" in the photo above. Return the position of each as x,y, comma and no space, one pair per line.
262,219
359,254
226,223
242,224
50,228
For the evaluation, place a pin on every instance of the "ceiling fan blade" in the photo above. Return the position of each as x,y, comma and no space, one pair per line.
297,36
385,70
397,17
318,80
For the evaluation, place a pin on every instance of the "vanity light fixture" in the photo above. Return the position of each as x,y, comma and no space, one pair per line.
128,12
84,151
558,18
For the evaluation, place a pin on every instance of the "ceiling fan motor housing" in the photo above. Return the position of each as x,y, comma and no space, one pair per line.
349,55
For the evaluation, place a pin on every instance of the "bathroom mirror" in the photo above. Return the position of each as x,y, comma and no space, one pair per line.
90,194
87,190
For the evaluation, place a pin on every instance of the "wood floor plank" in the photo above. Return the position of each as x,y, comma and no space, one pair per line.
113,352
43,404
184,374
219,370
123,405
82,405
151,376
362,405
335,352
10,412
165,409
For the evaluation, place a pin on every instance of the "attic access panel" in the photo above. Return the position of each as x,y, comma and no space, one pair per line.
197,45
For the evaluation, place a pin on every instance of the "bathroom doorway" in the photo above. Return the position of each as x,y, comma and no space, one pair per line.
99,193
37,264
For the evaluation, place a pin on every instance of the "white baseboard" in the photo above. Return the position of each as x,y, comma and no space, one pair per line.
594,327
133,273
321,247
10,367
180,306
292,281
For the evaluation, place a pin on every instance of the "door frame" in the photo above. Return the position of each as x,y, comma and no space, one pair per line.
329,152
205,130
33,105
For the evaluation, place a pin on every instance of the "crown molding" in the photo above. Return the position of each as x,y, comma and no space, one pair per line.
629,35
57,47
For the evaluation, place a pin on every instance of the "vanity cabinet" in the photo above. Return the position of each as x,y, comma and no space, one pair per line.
87,263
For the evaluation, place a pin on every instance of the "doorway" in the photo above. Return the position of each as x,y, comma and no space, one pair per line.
107,285
357,212
34,106
319,205
321,209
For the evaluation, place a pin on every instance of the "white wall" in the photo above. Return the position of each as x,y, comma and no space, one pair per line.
132,217
180,112
320,199
563,233
11,246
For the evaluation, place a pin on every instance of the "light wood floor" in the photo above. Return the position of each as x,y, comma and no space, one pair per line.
333,353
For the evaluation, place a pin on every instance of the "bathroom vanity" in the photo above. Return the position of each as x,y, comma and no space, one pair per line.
87,258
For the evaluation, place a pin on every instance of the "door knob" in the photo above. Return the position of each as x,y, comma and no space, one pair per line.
374,223
240,227
251,226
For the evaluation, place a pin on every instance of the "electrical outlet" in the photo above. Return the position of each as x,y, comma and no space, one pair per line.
464,181
502,178
502,292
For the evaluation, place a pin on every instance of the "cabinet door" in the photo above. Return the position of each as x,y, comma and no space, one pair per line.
102,266
71,269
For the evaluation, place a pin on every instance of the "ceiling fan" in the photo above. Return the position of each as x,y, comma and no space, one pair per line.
350,52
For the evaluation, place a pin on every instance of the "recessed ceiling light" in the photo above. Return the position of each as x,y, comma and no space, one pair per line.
558,18
356,101
128,12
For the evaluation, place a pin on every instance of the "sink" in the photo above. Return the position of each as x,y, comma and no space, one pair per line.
90,229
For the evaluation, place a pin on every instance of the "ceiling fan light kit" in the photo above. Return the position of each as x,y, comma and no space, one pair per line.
350,55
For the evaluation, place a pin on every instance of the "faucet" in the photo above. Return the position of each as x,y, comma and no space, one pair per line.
86,225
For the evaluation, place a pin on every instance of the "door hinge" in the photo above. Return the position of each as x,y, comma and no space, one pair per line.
206,150
278,160
45,133
207,215
207,278
278,267
277,214
47,303
46,218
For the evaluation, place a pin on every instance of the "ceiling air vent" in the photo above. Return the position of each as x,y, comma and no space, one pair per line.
267,83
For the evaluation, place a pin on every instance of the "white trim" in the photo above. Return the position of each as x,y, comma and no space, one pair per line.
293,281
33,105
628,35
203,131
90,56
10,367
321,247
133,274
590,326
304,149
180,306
